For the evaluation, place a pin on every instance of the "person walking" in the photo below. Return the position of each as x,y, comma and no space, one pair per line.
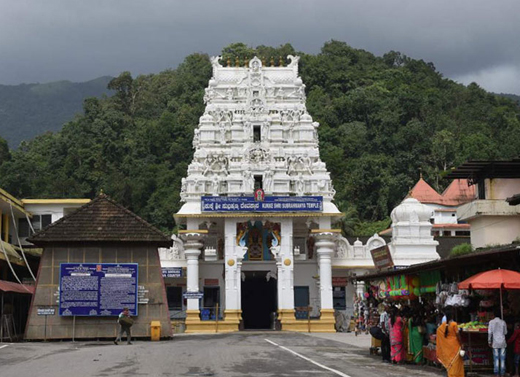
126,322
497,331
396,337
515,338
384,324
449,346
416,337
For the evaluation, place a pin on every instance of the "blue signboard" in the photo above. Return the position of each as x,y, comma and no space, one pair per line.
172,272
270,204
98,289
193,295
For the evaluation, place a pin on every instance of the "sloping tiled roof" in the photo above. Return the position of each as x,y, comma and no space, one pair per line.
424,193
458,192
101,220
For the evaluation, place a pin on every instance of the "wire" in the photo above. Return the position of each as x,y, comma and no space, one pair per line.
19,242
11,267
30,223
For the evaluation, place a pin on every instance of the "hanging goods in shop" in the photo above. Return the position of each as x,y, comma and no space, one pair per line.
403,286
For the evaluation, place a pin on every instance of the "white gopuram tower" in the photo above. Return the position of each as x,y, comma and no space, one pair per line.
258,207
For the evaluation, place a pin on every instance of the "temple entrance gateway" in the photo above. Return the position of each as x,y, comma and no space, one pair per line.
258,300
257,199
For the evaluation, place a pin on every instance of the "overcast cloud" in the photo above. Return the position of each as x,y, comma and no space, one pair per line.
47,40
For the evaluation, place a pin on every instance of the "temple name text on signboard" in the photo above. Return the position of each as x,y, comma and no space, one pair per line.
269,204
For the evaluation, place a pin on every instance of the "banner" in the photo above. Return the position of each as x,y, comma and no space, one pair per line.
98,289
269,204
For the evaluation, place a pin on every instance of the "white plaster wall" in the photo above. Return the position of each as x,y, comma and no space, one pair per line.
494,230
303,276
501,188
445,217
56,210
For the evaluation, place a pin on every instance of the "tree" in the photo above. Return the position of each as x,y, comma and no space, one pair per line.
5,154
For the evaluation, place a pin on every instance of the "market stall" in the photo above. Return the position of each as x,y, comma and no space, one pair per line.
485,285
434,287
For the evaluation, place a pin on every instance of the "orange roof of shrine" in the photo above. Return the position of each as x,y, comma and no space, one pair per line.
424,193
457,193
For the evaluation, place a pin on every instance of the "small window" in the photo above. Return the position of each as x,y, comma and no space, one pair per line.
23,228
301,296
258,182
339,298
36,222
174,296
46,220
257,134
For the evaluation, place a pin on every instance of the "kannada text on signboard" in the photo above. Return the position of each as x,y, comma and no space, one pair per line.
270,204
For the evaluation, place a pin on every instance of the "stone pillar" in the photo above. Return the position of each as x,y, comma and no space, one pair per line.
325,246
285,266
360,288
233,255
192,248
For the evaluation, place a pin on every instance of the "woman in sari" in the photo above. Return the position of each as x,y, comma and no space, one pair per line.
449,346
415,339
397,351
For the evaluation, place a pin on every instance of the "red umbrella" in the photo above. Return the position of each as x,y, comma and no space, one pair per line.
494,279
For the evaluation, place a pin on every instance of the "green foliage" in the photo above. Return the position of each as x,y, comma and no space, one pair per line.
462,249
369,228
382,119
27,110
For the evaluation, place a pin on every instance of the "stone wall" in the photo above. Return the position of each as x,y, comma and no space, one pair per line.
150,276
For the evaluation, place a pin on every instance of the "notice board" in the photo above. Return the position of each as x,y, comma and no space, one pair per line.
98,289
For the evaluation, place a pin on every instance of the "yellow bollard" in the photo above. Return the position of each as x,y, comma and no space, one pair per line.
155,330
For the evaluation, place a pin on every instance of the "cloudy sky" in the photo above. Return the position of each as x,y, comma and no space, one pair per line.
78,40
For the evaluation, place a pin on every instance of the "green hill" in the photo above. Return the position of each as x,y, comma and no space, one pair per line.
28,110
383,120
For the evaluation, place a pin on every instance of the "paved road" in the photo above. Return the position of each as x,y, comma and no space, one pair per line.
262,354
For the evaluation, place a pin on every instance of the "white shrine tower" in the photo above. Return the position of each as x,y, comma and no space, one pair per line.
251,256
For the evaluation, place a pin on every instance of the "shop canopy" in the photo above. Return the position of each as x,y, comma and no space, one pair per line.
10,286
494,279
496,257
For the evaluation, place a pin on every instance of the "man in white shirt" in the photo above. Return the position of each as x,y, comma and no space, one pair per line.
497,331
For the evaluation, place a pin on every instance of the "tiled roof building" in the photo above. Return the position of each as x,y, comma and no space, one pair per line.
101,220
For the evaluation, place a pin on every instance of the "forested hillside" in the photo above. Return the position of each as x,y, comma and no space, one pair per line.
28,110
382,120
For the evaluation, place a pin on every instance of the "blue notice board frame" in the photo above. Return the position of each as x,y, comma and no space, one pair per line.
98,289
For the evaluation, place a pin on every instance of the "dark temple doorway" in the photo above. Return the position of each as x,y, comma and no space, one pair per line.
258,300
